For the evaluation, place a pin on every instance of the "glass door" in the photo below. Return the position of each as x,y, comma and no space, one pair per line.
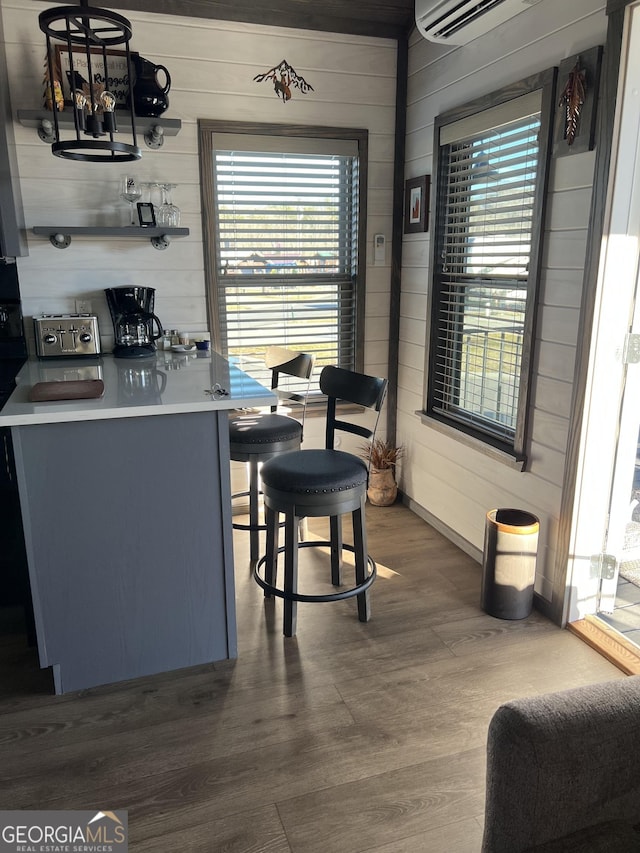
618,600
605,524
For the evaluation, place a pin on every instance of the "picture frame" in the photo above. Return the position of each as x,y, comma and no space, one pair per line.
118,73
146,214
416,204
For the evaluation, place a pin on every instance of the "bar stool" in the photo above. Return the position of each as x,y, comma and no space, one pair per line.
256,437
324,482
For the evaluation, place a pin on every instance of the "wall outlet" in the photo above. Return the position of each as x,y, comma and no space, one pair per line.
83,306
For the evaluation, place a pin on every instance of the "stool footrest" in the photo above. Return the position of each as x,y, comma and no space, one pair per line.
237,526
257,527
241,495
299,596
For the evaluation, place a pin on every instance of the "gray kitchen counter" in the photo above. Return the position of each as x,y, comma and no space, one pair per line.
126,508
167,383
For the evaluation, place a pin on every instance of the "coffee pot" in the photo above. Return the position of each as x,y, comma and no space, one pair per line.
150,97
133,320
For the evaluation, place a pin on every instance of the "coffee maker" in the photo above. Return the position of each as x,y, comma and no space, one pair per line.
133,321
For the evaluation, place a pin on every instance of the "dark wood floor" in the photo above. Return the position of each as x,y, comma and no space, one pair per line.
350,737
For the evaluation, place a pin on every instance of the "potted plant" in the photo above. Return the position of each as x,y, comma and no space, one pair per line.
382,456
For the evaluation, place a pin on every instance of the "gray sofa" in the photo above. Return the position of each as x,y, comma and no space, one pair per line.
563,772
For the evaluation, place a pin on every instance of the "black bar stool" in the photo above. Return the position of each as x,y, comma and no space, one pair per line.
256,437
324,482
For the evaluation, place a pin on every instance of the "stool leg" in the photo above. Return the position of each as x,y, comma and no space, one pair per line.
303,530
290,572
271,562
360,546
254,493
335,526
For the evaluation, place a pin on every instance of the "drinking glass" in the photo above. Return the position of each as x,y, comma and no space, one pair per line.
148,193
131,191
168,213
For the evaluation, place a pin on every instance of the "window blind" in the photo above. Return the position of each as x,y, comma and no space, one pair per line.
489,184
286,250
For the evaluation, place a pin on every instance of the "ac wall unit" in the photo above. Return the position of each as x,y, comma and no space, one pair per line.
460,21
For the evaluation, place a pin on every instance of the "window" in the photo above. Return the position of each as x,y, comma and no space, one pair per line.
486,259
285,261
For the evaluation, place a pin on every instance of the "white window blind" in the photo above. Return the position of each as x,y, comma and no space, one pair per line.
286,224
489,181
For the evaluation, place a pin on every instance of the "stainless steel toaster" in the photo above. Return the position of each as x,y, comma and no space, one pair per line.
58,335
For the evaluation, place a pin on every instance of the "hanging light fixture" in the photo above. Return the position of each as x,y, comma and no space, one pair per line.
87,35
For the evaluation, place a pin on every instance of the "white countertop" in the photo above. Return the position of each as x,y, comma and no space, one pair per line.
167,383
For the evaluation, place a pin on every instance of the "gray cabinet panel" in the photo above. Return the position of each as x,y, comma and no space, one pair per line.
128,532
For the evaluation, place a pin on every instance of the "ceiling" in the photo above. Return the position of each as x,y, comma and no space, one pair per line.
382,18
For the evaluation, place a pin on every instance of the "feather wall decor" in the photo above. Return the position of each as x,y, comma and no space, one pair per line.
572,99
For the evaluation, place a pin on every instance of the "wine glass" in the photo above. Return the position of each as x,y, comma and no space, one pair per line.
131,191
168,213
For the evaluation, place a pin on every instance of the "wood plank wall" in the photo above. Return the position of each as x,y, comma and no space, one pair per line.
452,484
212,66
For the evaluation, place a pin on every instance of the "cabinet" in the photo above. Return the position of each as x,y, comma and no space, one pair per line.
119,592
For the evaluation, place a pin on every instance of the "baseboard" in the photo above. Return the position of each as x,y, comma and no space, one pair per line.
540,603
609,643
448,532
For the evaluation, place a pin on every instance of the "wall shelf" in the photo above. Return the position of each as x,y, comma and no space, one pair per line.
60,236
153,129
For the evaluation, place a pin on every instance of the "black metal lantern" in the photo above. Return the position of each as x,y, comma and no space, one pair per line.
86,35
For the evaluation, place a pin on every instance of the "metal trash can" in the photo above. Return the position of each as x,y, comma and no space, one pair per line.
509,563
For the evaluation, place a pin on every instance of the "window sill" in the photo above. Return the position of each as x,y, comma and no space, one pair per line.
508,459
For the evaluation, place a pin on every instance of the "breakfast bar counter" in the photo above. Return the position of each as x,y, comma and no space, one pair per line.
126,509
